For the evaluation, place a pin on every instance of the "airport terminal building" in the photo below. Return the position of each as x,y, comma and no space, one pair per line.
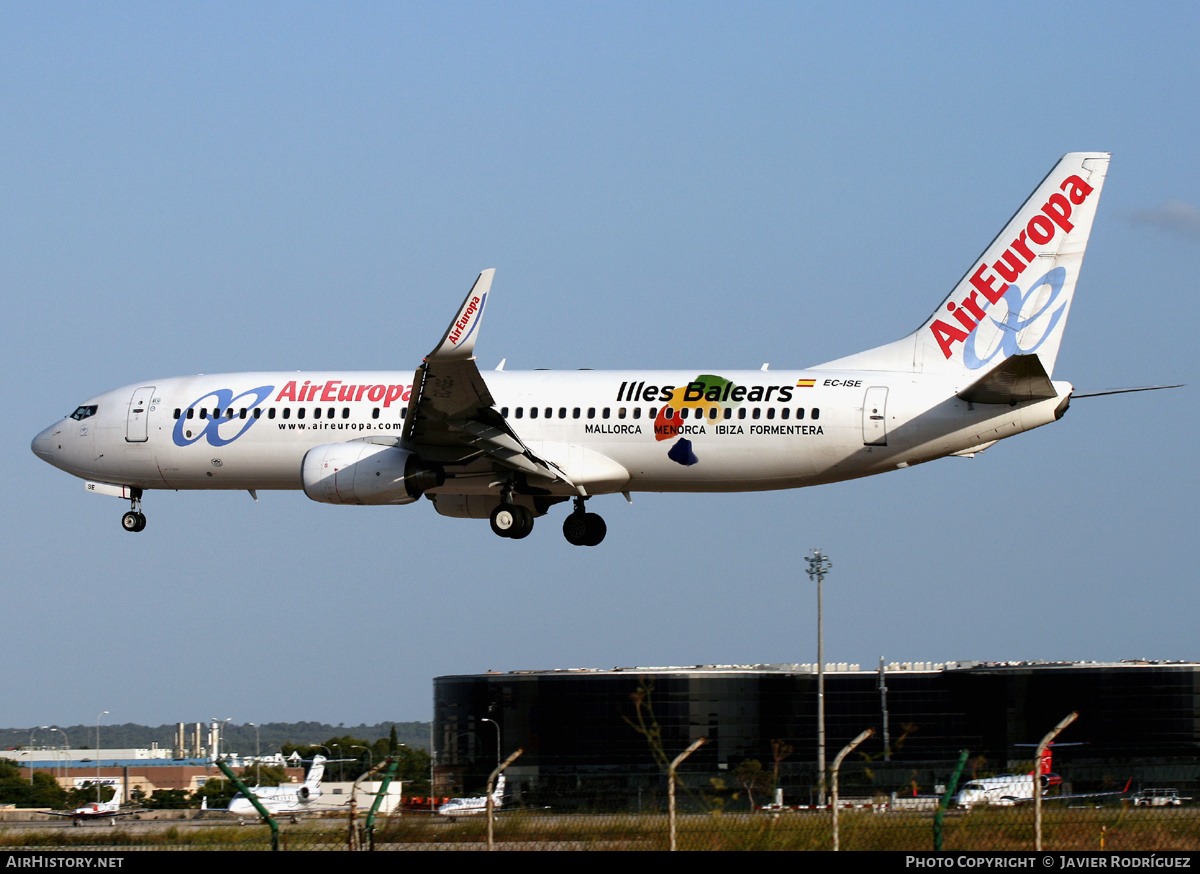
607,732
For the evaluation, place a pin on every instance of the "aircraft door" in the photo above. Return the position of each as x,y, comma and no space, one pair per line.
139,413
874,420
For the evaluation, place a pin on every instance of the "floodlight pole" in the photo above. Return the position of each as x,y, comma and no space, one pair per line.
102,713
818,565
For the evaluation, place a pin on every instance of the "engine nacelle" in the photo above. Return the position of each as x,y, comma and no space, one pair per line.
366,473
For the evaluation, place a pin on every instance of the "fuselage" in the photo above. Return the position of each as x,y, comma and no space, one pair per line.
613,431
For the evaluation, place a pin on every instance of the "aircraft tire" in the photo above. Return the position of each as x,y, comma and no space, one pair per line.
524,523
132,521
575,529
505,519
595,527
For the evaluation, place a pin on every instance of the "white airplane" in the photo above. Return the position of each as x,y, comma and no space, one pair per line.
109,810
507,446
283,799
1006,790
475,805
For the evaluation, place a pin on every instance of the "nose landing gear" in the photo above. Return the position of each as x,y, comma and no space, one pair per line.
134,520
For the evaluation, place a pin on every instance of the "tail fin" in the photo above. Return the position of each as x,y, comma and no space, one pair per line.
316,772
1015,297
1044,768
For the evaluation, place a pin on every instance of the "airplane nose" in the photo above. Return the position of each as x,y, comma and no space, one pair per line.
44,445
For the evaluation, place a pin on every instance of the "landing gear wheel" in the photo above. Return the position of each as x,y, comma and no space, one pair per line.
524,524
584,529
133,521
574,529
512,521
596,529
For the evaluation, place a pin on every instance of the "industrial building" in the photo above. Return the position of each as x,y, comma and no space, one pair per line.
603,735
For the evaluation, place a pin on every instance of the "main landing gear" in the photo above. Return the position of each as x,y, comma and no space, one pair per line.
582,528
134,520
509,519
512,521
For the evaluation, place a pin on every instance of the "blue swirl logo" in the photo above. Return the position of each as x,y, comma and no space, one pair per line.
1009,342
211,428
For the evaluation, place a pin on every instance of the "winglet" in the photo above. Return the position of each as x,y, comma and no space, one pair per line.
459,339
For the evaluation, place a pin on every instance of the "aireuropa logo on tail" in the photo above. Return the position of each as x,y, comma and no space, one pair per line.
997,281
473,307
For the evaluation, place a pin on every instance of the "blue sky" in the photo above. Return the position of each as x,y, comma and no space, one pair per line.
220,187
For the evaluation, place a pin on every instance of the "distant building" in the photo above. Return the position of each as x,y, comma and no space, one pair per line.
580,728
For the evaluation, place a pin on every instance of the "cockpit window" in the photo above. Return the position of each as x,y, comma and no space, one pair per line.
82,413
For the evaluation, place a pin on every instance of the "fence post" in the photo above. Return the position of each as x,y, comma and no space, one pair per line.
1037,778
671,786
944,801
837,764
491,801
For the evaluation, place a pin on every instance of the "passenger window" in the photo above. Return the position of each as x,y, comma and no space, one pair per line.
637,412
520,412
191,411
729,412
562,412
330,413
757,412
242,413
549,414
404,412
741,412
287,412
621,413
683,412
177,412
203,413
816,414
670,413
533,412
712,413
375,413
606,413
652,413
575,413
770,412
271,413
783,414
300,413
591,412
317,413
799,412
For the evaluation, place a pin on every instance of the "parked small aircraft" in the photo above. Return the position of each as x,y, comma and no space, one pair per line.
282,799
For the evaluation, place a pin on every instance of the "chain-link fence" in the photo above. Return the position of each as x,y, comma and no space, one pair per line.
1159,819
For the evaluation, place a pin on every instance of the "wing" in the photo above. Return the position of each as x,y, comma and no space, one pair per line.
451,416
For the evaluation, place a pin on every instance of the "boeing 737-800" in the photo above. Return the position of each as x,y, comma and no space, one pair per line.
508,446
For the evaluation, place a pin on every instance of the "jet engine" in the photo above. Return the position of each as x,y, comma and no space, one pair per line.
367,473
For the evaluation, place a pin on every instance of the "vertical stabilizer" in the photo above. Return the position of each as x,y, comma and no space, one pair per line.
1015,297
315,773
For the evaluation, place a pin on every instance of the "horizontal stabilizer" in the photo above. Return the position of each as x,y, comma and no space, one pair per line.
1016,380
